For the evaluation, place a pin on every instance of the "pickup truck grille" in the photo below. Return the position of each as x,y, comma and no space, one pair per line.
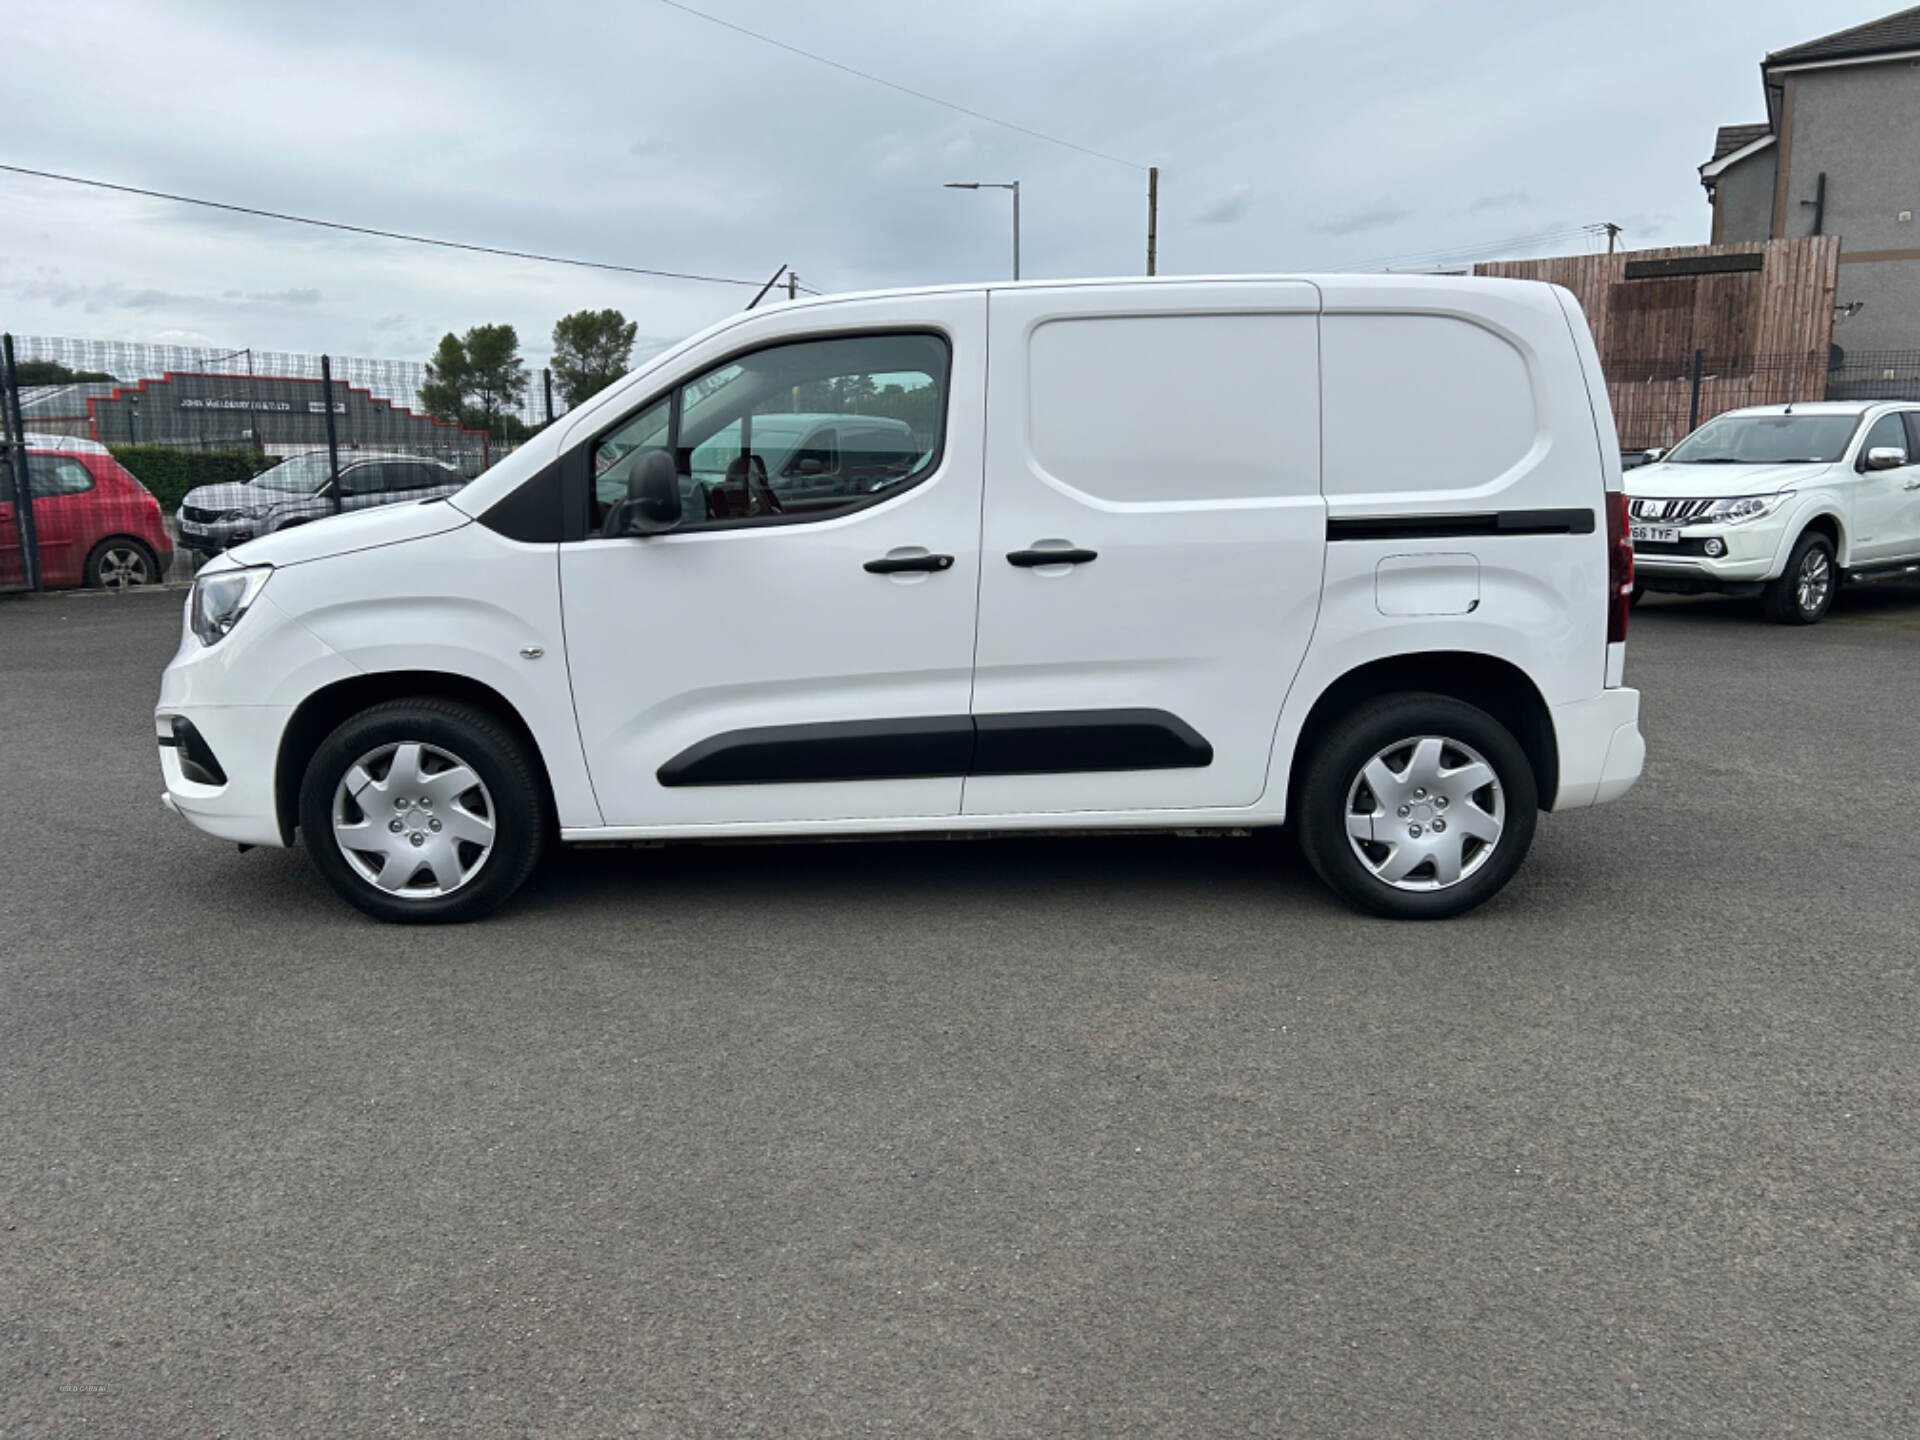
1673,512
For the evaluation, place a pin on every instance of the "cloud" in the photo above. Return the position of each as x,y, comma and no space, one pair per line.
304,296
1501,201
644,147
1377,217
1228,208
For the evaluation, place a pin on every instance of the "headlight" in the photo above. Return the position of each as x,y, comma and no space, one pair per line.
220,599
1741,509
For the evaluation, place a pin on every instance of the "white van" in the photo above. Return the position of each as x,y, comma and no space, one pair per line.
1348,552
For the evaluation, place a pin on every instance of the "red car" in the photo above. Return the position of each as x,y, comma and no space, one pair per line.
97,525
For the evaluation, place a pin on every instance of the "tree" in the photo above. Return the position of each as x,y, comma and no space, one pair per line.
591,350
478,380
52,372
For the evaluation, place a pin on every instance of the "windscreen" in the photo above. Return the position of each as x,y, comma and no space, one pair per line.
1766,440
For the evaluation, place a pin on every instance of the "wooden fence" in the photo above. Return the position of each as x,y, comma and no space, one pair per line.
1759,313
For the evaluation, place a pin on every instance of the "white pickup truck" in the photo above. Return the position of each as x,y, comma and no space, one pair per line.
1784,502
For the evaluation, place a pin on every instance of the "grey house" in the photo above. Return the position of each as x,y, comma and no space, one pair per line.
1838,154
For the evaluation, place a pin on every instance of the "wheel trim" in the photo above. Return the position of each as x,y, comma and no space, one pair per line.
413,820
1815,581
1425,813
123,566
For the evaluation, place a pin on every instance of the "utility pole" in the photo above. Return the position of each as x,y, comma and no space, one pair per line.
1153,216
793,286
1613,233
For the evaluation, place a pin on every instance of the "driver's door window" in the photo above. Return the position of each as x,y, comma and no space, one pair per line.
758,438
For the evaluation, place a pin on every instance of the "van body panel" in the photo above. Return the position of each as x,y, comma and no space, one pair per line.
468,602
1171,431
680,639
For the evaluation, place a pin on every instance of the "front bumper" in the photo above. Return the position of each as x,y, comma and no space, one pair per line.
245,741
1752,555
237,697
213,537
1601,748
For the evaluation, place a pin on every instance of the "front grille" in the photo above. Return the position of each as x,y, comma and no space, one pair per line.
197,515
1672,512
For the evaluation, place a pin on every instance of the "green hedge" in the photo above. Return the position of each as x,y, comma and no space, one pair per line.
170,474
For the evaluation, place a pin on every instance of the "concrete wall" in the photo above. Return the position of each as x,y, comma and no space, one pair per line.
1858,123
1746,199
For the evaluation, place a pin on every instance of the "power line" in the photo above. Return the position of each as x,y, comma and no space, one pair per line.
380,234
903,89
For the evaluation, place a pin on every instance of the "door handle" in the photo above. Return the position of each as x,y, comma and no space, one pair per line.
895,564
1029,559
1911,485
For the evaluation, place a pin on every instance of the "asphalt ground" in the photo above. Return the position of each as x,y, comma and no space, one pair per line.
1096,1137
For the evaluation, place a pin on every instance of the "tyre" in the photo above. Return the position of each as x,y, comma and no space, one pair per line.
121,564
1804,592
1417,806
423,811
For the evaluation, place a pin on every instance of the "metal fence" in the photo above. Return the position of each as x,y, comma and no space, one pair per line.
194,425
1658,400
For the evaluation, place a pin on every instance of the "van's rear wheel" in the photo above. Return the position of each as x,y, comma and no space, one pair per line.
1418,806
423,811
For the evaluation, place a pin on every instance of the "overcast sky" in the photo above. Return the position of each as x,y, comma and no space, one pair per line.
1291,135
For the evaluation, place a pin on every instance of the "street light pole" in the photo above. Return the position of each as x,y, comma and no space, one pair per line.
1014,186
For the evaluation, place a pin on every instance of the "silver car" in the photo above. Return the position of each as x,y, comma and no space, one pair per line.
215,517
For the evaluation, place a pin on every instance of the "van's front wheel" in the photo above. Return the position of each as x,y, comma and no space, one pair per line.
1418,806
423,811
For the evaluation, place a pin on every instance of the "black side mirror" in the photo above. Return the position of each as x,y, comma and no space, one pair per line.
652,506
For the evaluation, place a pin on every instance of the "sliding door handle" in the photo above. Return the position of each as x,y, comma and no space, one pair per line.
1029,559
896,564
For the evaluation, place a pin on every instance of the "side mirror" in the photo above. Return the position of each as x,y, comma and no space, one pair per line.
1886,457
811,466
1655,455
652,506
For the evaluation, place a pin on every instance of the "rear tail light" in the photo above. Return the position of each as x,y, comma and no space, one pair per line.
1619,567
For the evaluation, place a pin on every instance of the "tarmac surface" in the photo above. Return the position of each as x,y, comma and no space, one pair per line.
1098,1137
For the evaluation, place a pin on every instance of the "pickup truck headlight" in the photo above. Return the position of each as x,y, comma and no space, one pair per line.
221,598
1740,509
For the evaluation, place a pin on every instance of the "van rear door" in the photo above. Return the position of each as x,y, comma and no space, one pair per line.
1151,544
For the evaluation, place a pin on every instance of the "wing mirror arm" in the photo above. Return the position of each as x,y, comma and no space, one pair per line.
652,506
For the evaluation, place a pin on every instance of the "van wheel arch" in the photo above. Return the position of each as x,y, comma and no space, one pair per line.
1499,687
322,712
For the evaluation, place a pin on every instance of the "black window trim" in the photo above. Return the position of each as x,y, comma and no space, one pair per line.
577,462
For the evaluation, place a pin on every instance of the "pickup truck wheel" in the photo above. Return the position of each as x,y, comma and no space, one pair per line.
1418,807
423,811
1804,592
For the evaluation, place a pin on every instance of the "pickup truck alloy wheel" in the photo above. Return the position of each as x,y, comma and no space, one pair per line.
1425,813
1814,581
1804,592
413,819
